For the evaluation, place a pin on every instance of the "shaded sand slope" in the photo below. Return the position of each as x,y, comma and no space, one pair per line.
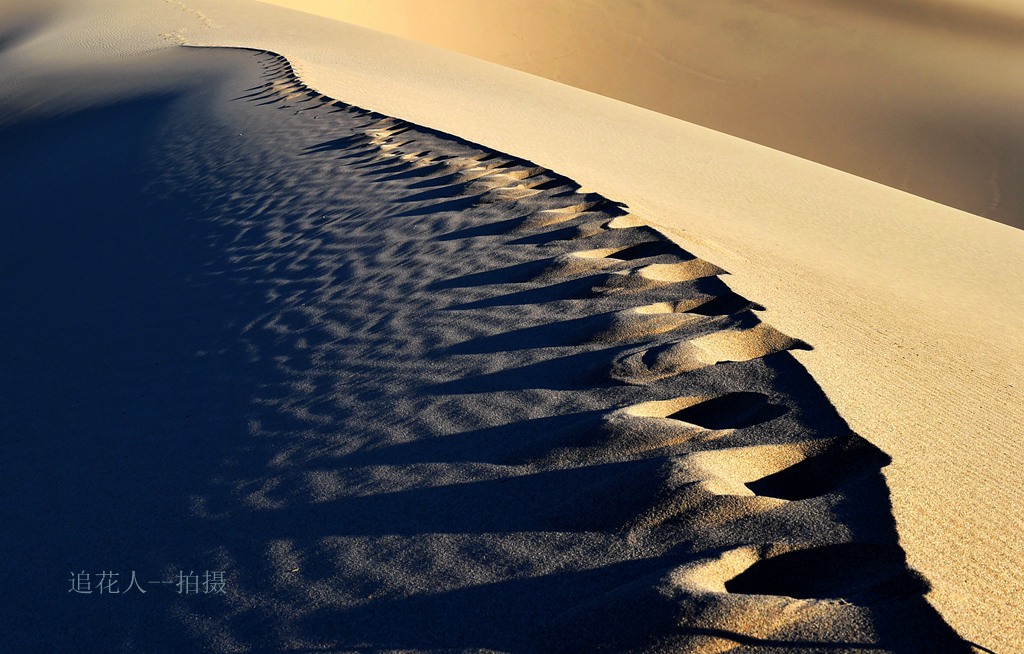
409,393
914,309
921,95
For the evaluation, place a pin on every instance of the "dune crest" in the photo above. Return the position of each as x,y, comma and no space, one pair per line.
916,94
364,318
913,308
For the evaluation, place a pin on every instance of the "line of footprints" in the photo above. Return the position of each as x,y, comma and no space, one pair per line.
760,589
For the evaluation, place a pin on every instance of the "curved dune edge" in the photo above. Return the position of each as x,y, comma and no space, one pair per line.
865,269
745,512
756,593
915,317
792,589
920,94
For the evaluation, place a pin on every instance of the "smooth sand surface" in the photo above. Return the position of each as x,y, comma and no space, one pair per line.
920,95
914,311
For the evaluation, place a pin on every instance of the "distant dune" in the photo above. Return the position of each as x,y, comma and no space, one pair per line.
923,96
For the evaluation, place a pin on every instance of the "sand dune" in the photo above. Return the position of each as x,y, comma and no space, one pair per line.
335,312
921,95
414,393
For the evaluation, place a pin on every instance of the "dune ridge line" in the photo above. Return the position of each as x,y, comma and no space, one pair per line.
717,460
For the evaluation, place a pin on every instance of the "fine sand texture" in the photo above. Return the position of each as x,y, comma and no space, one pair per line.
263,332
408,394
920,95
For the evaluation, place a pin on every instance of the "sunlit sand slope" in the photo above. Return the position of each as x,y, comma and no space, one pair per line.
921,95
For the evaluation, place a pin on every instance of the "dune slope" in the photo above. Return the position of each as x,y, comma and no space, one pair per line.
404,392
920,95
914,309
